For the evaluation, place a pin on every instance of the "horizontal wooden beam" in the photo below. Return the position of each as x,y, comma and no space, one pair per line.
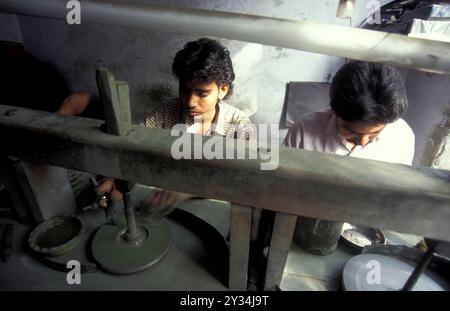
329,39
372,193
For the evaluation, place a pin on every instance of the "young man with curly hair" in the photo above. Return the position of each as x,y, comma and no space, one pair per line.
205,76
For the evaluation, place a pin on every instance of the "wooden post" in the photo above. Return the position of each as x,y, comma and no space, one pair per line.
280,243
240,231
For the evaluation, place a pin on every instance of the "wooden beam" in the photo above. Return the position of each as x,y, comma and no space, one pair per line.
240,228
372,193
280,243
116,102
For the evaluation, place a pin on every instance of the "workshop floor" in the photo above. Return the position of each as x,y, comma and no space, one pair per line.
304,271
181,269
184,267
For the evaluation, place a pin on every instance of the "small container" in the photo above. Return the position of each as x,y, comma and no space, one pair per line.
316,236
57,236
358,237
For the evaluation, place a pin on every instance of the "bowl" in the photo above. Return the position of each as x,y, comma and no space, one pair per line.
357,237
57,236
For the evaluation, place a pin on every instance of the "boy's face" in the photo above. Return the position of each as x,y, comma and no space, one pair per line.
201,98
358,133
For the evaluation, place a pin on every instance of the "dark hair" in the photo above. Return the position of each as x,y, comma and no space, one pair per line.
204,60
368,92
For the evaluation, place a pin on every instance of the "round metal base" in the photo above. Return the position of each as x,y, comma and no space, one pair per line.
114,254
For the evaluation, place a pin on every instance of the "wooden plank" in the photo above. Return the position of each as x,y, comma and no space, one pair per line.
9,176
383,195
280,243
114,96
125,109
240,229
341,41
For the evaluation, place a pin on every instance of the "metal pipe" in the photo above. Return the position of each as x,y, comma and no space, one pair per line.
353,43
132,232
420,268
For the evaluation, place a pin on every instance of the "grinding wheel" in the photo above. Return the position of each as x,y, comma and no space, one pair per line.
115,255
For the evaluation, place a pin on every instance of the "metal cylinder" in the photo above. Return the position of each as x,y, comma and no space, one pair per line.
420,268
317,236
133,234
353,43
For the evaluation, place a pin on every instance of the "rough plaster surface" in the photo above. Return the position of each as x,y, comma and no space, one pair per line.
442,160
428,113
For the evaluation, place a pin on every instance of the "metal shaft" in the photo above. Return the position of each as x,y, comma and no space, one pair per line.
341,41
133,232
420,268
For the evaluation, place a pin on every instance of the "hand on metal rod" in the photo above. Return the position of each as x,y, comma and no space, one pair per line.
108,186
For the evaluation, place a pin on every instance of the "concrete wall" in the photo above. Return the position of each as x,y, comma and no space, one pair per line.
429,116
10,28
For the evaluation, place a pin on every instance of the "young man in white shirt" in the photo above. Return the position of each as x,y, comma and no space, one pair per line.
367,101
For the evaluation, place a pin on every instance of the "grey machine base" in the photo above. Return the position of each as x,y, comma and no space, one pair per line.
115,255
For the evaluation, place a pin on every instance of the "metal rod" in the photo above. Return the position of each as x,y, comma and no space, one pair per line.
418,270
341,41
132,233
116,102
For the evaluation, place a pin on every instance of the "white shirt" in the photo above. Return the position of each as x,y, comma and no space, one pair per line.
318,132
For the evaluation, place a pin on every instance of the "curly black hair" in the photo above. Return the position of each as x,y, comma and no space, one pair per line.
368,92
204,60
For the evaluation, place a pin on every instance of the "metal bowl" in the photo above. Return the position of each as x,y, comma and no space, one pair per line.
358,237
56,236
